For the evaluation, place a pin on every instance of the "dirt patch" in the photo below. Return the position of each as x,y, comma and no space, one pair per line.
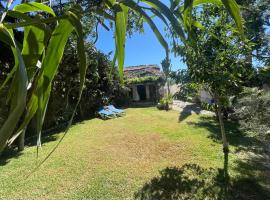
144,151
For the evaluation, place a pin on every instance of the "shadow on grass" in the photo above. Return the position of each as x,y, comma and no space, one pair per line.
13,153
235,137
194,182
189,110
252,161
9,153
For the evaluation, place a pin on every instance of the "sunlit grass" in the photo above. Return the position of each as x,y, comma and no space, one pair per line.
112,159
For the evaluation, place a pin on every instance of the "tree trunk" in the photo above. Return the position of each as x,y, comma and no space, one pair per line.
168,94
226,178
168,87
222,128
21,140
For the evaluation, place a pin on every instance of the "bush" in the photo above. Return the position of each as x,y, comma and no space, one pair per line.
188,89
208,106
252,110
102,86
165,103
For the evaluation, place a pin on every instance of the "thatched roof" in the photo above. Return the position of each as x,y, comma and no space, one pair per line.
141,71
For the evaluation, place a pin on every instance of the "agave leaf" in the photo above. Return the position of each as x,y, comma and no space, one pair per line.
162,8
41,92
174,4
19,89
35,40
158,14
40,97
75,21
148,19
234,10
120,36
199,2
33,7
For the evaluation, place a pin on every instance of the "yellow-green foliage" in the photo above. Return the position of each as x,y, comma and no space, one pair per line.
143,79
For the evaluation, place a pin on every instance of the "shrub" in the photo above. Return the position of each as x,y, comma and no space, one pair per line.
102,86
165,102
188,89
252,110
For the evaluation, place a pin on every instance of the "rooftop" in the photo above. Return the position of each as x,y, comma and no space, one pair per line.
142,71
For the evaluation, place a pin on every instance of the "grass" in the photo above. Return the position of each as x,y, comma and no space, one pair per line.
137,156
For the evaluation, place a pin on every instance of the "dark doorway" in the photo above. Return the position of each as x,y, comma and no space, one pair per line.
142,92
153,92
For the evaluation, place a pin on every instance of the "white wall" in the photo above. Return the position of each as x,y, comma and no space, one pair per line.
173,89
205,96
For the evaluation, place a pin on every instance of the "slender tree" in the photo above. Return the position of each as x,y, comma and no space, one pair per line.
217,59
256,14
166,68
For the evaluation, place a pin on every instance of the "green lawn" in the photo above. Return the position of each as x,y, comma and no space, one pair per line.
146,154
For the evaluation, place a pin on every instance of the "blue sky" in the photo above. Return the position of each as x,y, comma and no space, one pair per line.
141,48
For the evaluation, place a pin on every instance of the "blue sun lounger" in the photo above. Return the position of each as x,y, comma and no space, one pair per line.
106,113
119,112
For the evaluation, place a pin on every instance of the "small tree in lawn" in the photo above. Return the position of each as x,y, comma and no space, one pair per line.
217,60
166,68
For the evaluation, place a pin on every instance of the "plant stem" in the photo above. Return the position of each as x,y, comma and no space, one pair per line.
222,128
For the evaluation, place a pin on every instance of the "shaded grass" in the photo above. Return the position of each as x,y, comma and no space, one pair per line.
113,159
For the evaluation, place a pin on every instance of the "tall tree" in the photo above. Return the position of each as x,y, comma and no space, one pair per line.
166,68
217,59
256,14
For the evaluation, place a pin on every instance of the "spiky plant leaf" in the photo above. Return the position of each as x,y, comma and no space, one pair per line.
33,7
19,88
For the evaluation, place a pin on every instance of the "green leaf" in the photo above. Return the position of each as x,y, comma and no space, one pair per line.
75,20
164,10
120,36
174,4
18,15
35,40
148,19
188,5
50,65
234,10
198,25
33,46
19,89
200,2
231,6
41,92
33,7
